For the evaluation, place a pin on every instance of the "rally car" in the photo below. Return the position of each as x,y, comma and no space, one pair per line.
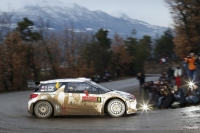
78,96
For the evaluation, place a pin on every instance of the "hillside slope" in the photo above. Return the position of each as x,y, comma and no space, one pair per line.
153,67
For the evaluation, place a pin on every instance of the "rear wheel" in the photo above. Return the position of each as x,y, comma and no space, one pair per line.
116,108
43,109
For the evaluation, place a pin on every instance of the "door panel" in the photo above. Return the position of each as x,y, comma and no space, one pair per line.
81,100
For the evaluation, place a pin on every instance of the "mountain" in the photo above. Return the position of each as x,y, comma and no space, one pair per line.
58,14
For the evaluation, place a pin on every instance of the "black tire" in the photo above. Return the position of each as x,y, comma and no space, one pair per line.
116,108
43,109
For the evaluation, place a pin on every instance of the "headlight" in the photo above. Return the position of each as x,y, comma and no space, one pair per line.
132,97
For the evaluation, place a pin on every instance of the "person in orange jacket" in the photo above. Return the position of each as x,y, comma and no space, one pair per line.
191,66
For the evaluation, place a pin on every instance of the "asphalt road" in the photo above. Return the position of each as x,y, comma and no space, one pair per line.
14,117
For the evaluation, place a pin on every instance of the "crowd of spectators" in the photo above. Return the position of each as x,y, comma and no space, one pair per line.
168,92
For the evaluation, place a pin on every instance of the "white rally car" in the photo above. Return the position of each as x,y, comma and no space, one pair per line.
78,96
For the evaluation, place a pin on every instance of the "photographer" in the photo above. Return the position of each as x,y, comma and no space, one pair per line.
164,93
179,99
155,93
194,96
169,98
149,90
191,66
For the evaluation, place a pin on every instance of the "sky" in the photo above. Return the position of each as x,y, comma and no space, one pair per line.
155,12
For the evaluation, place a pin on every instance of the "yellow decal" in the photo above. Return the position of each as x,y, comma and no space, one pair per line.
57,85
98,99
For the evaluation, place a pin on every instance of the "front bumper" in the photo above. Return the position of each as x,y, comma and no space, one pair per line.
131,106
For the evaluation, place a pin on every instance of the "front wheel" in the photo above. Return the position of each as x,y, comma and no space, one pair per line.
43,109
116,108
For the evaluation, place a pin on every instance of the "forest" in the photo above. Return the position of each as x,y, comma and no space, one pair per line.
26,54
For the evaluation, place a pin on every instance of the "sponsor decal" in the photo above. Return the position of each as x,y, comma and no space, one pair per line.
91,99
47,88
57,85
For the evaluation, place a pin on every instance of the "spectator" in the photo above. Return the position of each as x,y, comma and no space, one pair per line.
166,59
96,78
141,78
191,66
168,99
185,68
163,77
194,96
177,75
163,60
170,74
147,87
197,63
179,99
118,72
164,92
107,76
173,81
156,92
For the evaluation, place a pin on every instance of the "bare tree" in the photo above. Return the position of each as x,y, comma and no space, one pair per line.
186,17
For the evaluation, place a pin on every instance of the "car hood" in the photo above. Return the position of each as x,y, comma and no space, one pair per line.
121,92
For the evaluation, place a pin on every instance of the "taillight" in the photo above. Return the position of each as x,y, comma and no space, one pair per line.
33,96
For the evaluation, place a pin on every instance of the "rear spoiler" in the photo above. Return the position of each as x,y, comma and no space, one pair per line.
33,84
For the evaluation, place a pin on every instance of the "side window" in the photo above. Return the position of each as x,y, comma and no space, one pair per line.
75,87
92,89
50,87
79,87
47,87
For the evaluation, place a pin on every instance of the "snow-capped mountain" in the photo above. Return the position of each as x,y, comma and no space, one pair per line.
58,14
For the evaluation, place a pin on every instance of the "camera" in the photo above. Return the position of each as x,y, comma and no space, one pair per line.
188,57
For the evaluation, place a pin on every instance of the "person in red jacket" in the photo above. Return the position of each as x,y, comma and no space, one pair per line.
177,75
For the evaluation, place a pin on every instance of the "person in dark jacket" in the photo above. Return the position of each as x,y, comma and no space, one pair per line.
168,98
164,93
197,64
179,99
141,78
163,77
194,98
170,74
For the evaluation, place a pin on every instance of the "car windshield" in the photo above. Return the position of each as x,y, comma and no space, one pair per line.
100,86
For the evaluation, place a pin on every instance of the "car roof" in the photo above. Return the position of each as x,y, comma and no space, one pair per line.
66,80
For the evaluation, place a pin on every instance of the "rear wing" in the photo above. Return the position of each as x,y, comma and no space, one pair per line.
33,84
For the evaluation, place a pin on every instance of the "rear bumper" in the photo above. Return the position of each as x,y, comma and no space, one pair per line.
30,107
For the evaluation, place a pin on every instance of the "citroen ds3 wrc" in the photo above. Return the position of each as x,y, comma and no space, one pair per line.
78,96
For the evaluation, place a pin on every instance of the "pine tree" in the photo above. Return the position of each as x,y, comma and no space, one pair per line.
25,27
